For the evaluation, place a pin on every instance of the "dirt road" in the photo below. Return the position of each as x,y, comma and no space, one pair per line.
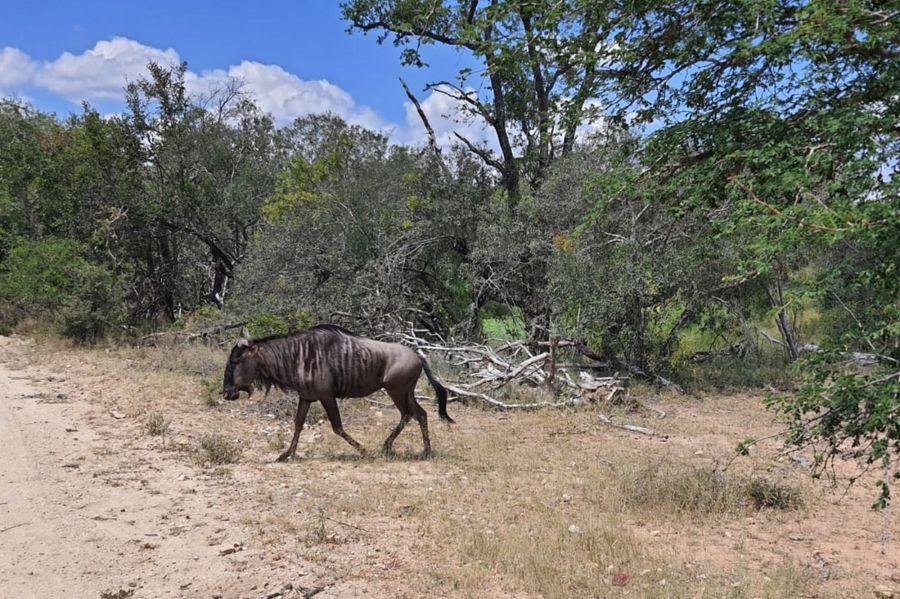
80,516
45,542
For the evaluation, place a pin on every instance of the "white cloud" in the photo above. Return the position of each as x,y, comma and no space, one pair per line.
102,72
16,69
446,115
285,95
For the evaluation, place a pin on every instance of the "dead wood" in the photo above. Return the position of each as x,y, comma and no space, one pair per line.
486,368
630,427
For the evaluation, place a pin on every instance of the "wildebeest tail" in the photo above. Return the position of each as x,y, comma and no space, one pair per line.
441,393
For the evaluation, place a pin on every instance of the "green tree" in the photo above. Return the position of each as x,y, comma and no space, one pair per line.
211,163
783,116
352,233
536,62
30,142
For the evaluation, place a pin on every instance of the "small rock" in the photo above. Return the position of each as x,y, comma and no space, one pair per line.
654,533
233,549
884,592
699,452
574,529
566,497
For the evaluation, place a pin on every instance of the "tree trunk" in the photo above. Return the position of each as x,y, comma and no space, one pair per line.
776,300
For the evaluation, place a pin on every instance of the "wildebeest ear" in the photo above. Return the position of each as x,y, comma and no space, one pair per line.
245,334
252,351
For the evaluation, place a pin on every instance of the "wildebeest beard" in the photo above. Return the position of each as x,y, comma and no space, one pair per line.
229,391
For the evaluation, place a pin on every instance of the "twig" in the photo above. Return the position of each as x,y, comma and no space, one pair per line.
777,212
13,526
659,413
630,427
311,592
506,406
347,525
771,338
432,140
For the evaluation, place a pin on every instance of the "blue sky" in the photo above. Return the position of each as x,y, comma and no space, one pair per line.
296,57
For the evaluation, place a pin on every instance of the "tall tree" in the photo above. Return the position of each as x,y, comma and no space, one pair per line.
349,231
211,164
30,142
783,113
538,67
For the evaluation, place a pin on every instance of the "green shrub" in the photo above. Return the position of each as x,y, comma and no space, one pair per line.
261,325
52,277
37,275
94,309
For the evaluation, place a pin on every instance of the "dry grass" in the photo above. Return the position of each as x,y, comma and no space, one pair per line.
157,424
674,488
216,449
545,503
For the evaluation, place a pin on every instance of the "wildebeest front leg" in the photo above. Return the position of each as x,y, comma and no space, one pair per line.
299,420
334,417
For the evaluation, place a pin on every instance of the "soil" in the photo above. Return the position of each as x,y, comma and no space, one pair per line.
93,506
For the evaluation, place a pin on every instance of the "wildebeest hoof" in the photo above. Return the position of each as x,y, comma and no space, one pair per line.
283,457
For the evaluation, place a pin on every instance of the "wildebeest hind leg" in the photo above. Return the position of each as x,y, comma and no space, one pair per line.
388,446
299,419
422,417
334,417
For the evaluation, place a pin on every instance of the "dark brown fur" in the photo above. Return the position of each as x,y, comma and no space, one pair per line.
326,362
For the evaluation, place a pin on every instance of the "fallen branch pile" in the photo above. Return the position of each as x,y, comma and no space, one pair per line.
485,370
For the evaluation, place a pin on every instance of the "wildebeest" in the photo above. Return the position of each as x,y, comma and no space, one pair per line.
327,362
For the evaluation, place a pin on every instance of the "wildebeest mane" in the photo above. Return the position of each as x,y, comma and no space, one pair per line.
333,328
282,352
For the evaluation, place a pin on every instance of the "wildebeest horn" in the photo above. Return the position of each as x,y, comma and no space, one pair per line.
245,334
242,342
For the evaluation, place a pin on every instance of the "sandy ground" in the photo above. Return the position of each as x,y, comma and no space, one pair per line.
91,506
77,519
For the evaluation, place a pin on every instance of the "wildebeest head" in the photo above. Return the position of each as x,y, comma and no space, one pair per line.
241,370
